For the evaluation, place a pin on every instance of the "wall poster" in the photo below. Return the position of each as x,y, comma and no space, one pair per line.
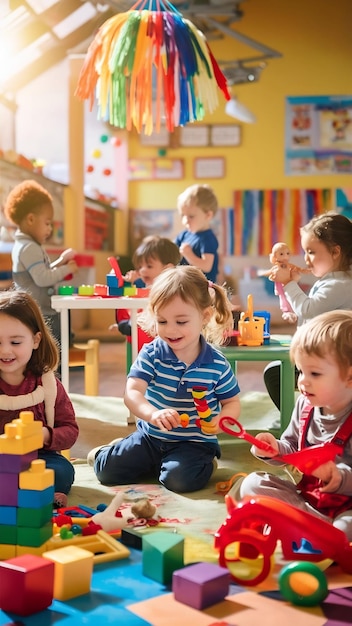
318,135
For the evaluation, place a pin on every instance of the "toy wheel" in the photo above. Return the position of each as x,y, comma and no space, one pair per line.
247,557
303,583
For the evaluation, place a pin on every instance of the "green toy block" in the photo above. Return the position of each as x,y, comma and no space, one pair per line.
34,537
162,555
34,517
8,534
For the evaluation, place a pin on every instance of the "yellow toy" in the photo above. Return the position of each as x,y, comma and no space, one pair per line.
251,328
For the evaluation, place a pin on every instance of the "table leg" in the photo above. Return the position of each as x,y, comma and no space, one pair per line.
287,392
134,334
65,337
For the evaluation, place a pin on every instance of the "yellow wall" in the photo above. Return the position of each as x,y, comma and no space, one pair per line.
315,40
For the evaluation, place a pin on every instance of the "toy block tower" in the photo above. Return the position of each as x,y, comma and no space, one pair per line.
26,489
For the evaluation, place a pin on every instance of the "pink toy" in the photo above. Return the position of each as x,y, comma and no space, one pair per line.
306,460
254,526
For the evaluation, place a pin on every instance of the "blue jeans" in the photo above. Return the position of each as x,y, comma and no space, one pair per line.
63,469
180,466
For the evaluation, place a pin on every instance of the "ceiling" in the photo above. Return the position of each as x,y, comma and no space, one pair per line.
37,34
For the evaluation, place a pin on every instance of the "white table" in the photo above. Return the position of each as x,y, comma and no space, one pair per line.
63,304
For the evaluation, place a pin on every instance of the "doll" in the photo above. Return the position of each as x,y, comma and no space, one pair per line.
280,255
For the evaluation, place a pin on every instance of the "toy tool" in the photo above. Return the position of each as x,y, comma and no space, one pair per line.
306,460
251,328
115,266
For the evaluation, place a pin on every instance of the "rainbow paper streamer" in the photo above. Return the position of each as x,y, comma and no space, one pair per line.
150,48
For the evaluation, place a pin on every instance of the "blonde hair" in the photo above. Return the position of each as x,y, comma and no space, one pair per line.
202,196
328,333
190,284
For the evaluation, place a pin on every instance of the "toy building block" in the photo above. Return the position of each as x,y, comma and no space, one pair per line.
34,537
201,585
73,571
37,477
22,435
28,498
26,584
104,547
163,553
7,551
16,463
8,489
34,517
133,537
8,515
8,533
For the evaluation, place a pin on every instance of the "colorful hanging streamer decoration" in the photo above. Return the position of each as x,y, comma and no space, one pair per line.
150,50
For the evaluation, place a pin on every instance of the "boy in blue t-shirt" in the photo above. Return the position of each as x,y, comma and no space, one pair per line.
198,244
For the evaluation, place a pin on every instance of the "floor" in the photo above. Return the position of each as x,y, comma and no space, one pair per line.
112,356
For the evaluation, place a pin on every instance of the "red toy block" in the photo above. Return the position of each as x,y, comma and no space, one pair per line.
201,585
26,584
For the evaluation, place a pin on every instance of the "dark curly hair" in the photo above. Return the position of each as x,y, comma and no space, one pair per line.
27,197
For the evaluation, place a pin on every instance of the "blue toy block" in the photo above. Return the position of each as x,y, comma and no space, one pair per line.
16,463
8,515
8,489
116,291
162,555
111,281
29,498
201,585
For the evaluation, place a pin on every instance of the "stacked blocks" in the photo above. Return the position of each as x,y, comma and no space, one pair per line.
26,489
201,585
162,555
26,584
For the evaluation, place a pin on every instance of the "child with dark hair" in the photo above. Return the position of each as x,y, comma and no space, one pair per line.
153,255
28,360
30,207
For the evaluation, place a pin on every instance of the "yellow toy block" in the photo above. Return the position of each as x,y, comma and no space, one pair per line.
22,435
73,571
38,551
37,477
103,546
7,551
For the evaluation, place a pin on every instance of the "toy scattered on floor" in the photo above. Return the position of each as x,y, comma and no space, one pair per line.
200,585
303,584
163,554
252,528
250,327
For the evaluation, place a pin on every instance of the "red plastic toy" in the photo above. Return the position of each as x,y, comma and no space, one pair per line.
254,526
306,460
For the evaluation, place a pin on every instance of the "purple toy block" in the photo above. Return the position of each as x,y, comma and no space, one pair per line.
201,585
16,463
8,489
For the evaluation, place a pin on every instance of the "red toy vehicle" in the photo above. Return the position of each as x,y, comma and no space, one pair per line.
254,526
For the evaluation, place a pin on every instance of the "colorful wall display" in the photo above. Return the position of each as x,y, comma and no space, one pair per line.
318,135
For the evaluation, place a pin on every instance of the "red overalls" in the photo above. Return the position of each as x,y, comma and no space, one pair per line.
330,504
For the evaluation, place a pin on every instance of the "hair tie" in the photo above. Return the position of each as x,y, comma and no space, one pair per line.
210,283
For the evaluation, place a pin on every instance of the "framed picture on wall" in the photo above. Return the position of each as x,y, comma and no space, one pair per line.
225,135
209,167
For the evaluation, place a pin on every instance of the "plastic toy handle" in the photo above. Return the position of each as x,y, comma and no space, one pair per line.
115,266
250,307
242,434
